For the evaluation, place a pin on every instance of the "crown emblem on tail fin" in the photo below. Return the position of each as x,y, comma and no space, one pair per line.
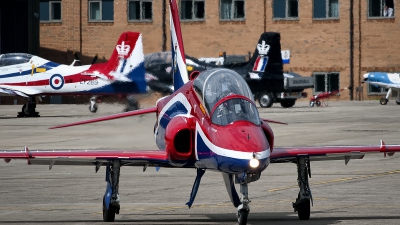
123,49
263,48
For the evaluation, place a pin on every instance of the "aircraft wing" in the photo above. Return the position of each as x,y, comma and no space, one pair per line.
280,155
5,91
89,157
22,91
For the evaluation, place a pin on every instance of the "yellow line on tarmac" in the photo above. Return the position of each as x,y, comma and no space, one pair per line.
339,180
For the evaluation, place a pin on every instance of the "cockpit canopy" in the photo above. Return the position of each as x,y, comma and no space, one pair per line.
214,84
155,59
226,88
14,59
235,109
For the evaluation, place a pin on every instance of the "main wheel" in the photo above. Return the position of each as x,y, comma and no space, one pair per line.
318,103
288,103
242,217
383,101
398,103
94,109
265,99
303,210
25,110
108,214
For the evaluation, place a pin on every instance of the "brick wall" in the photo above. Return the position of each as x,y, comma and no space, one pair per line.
315,45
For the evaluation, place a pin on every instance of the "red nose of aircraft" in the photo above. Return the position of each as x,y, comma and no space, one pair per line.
243,145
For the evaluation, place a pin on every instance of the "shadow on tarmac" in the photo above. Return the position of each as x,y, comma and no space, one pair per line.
229,218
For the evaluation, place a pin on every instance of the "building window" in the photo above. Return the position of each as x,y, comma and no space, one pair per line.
324,82
380,8
326,9
286,9
192,9
232,10
376,90
141,10
101,10
50,11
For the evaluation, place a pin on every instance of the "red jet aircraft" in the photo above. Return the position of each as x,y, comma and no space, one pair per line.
209,123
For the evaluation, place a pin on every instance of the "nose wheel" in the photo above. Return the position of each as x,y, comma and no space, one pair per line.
242,217
29,108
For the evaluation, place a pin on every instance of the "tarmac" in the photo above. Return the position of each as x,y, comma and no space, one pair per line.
363,192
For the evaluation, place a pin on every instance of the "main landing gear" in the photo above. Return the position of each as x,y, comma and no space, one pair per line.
29,108
302,204
111,196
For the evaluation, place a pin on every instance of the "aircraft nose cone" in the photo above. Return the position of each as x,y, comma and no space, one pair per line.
366,75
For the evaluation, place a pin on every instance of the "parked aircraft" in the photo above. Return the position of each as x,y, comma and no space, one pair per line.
31,76
209,123
390,81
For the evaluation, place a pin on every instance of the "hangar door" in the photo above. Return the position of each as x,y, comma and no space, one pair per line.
19,26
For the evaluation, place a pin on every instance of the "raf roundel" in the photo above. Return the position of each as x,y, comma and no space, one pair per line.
56,81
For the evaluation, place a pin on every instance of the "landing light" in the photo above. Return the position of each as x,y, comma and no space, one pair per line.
254,163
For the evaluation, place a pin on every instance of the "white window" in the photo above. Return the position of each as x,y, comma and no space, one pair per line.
380,8
326,9
232,10
286,9
50,11
102,10
324,82
140,10
192,9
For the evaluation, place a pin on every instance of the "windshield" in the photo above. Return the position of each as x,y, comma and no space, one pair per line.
235,109
154,59
214,84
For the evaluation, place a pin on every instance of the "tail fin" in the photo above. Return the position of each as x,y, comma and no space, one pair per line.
178,52
127,60
266,62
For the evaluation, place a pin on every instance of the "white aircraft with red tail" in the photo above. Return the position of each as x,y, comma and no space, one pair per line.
30,76
209,123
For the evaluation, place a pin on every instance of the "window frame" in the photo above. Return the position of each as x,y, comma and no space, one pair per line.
232,13
383,91
192,11
101,12
327,12
326,74
141,19
286,11
382,3
52,20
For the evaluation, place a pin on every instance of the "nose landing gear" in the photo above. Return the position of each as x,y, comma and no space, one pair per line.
29,108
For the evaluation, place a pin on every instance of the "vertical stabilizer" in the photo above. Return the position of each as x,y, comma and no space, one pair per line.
178,52
126,63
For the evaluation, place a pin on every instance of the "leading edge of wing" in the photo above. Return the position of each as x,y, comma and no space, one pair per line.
89,157
289,154
110,117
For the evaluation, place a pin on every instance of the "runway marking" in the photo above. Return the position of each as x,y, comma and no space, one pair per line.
338,180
